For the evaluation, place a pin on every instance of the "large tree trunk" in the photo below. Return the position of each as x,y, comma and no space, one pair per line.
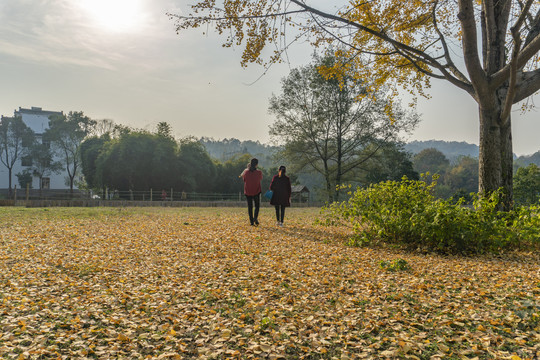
339,166
337,187
338,180
10,189
329,190
71,179
496,155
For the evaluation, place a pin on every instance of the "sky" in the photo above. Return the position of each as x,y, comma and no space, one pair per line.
122,60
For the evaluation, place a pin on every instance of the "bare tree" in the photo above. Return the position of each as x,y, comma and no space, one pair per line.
325,128
66,134
15,140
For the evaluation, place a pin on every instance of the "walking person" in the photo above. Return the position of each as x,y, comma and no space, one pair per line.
281,196
252,189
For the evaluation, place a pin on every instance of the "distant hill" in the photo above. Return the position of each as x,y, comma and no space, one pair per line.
226,149
529,159
454,149
451,149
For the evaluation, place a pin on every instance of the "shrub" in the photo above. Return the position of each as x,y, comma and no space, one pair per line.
406,212
527,185
395,265
526,223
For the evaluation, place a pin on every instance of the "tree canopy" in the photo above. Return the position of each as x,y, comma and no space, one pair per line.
66,133
431,160
392,162
134,161
43,162
15,141
140,160
527,185
487,48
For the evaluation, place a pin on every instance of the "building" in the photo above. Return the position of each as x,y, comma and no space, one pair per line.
36,119
300,194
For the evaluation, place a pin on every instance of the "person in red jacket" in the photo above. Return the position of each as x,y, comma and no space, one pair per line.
281,194
252,189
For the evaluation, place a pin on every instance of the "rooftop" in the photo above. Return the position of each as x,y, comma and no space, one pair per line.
36,111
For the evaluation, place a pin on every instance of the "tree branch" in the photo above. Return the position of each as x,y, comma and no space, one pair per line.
430,61
528,85
453,68
534,29
470,50
223,18
516,35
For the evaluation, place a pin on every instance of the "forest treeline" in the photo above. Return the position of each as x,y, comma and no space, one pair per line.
126,159
121,158
453,150
140,160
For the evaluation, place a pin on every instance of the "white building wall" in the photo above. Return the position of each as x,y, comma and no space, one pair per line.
37,120
57,181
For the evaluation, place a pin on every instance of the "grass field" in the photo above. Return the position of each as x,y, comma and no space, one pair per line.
201,283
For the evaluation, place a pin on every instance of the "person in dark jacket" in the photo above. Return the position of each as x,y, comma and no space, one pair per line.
281,197
252,189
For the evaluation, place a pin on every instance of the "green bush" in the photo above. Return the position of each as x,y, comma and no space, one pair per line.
527,185
406,212
395,265
526,223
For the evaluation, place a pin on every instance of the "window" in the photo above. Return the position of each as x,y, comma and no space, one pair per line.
45,183
45,139
26,161
26,142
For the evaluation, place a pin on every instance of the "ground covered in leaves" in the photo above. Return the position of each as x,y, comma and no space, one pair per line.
202,283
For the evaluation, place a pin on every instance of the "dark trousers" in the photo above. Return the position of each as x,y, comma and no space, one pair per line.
253,217
279,216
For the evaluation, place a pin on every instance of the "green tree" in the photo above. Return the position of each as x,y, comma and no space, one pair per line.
43,163
164,158
164,130
527,185
390,163
325,128
105,127
66,134
462,178
136,161
15,140
489,49
90,149
431,160
197,171
227,180
24,178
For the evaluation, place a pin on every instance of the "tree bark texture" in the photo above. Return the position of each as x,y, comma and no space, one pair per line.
496,155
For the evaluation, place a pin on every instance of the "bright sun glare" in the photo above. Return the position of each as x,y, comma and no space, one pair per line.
115,15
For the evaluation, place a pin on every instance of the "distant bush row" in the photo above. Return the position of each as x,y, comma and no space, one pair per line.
406,212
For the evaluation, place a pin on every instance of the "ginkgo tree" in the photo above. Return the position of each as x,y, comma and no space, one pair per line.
487,48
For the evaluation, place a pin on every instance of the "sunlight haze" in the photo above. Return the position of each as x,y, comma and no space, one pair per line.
115,15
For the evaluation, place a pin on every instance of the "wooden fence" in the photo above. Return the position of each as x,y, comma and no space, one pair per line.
134,203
